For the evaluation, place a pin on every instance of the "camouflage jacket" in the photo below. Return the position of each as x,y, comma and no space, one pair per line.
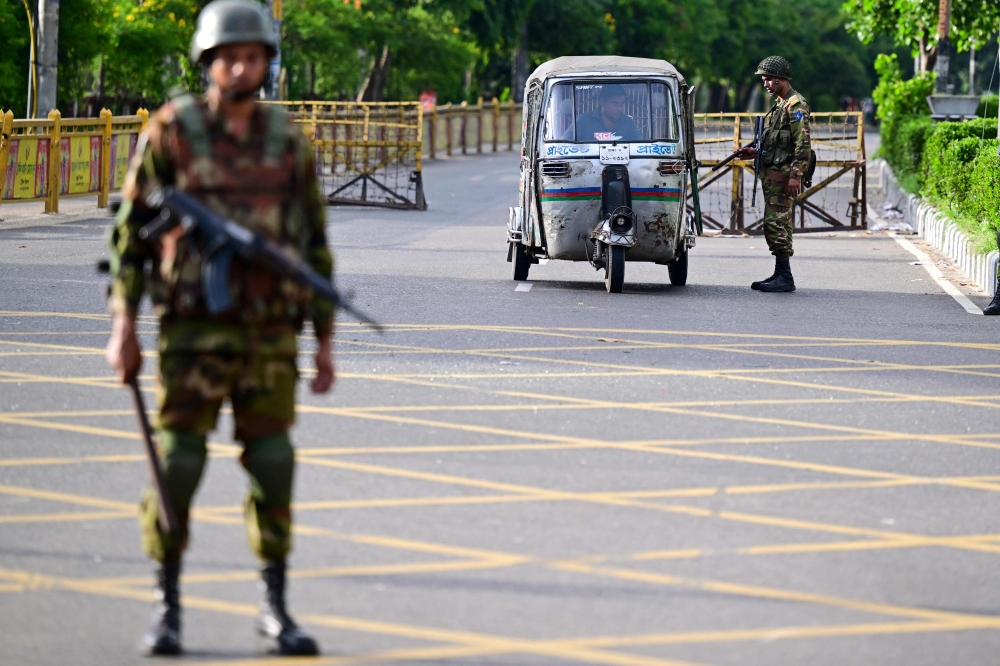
266,182
786,136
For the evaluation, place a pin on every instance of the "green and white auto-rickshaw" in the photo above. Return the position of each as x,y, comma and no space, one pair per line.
606,150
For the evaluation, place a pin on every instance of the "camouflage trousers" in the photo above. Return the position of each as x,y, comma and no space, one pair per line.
192,388
778,223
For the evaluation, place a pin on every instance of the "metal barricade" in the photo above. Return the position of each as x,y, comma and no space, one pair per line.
367,153
58,158
837,198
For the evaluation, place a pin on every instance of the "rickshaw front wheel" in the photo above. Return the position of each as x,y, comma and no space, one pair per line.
521,262
678,270
614,269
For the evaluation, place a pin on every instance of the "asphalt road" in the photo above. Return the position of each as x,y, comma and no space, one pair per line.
696,475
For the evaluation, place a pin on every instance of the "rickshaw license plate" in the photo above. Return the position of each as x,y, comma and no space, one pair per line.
614,154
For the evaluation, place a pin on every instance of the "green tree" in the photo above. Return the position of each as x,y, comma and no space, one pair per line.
13,57
390,49
149,42
84,31
913,23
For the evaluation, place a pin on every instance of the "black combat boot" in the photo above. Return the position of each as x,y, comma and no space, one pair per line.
756,285
164,635
274,622
783,280
994,307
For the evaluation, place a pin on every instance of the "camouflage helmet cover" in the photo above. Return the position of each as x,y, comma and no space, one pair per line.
232,22
775,66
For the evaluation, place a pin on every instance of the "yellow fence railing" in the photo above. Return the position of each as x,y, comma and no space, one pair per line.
58,158
472,128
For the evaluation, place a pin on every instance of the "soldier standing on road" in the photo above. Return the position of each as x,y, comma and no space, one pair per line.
249,163
786,162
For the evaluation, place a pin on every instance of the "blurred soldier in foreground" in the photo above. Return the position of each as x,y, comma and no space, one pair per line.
247,162
785,165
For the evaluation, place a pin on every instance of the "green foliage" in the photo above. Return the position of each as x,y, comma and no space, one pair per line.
913,23
951,166
13,57
950,178
894,96
903,140
80,47
902,108
982,204
151,40
988,106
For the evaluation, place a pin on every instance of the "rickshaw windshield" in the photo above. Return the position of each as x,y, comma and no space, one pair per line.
605,111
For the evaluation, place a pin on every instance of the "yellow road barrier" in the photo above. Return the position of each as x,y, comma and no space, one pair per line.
367,153
58,158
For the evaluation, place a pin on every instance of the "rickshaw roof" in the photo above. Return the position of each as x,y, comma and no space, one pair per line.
605,65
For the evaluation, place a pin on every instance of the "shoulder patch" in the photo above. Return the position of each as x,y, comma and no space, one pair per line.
798,115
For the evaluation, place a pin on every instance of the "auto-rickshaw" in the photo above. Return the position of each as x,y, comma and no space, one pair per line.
606,150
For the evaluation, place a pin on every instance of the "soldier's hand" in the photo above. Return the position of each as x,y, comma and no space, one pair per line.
123,353
747,153
794,187
325,373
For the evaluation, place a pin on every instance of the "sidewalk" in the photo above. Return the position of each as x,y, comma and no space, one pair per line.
23,215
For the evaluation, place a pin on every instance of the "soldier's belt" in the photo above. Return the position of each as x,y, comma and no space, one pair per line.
777,176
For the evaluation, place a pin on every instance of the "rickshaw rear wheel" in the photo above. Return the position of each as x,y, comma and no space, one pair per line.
614,269
678,270
521,262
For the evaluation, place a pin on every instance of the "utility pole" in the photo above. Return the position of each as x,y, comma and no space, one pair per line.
273,90
943,47
47,25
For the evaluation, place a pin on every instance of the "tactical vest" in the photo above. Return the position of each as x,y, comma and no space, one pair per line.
257,183
778,142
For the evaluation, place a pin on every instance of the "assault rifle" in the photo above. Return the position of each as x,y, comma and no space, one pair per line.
221,240
758,161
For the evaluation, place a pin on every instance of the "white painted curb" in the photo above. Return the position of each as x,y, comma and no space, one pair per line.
941,233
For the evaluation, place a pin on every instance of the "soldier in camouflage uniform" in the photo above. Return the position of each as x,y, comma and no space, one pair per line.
786,161
249,163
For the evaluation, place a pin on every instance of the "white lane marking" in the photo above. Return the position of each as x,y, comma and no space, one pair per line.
936,274
524,286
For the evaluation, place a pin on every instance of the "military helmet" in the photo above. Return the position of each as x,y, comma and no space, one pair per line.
232,22
775,66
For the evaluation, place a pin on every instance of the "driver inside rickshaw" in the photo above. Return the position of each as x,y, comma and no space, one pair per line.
608,121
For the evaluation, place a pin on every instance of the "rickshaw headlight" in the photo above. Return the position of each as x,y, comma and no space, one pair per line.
621,221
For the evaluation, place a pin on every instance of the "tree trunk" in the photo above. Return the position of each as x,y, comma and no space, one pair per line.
718,98
519,64
373,89
943,47
928,54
